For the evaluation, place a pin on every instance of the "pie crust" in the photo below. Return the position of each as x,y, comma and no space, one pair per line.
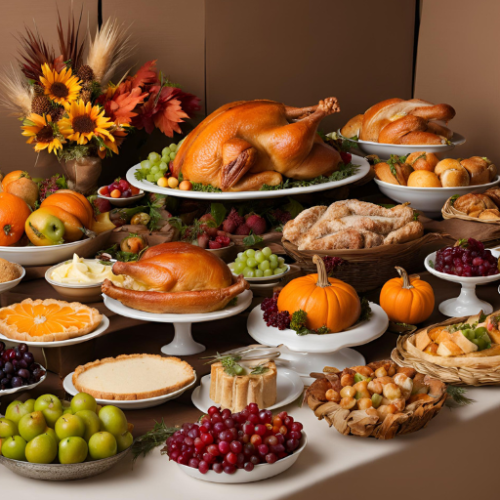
131,377
64,319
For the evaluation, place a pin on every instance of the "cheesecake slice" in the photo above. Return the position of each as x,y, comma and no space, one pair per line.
133,376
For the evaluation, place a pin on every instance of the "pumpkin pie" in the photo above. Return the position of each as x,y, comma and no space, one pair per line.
47,320
131,377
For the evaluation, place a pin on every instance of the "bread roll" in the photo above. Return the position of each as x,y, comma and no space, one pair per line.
490,214
396,173
451,173
478,170
472,202
353,127
438,129
423,178
423,161
494,194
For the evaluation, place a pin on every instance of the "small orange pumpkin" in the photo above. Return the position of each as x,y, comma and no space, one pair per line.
74,203
327,301
407,299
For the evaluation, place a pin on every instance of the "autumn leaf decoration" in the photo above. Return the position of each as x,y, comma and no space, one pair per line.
121,107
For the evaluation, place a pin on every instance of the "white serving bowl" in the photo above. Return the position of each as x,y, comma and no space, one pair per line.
49,255
384,151
267,279
428,200
12,283
259,473
121,202
13,390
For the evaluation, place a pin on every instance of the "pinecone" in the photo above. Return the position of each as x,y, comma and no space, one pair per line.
41,105
38,89
56,113
85,73
86,95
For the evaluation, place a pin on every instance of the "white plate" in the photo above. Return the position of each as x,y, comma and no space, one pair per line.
103,326
129,405
386,150
6,392
363,169
266,279
12,283
53,254
289,387
358,335
428,200
259,473
121,202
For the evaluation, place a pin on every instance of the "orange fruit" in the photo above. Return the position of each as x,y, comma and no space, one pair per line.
72,204
13,215
14,176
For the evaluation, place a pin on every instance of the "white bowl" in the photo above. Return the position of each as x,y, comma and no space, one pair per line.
384,151
121,202
49,255
266,279
428,200
259,473
13,390
12,283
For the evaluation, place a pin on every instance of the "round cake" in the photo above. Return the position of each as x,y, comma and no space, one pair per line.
235,392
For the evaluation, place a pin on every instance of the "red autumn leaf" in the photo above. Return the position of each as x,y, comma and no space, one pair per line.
121,107
168,119
146,75
190,103
58,64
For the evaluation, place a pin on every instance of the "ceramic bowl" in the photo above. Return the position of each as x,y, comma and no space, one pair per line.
224,253
259,473
7,285
121,202
73,292
275,278
29,387
428,200
62,472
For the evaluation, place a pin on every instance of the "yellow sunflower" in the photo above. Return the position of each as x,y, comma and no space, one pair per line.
40,131
62,87
84,122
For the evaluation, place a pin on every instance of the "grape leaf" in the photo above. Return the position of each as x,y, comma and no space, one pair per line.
252,239
218,212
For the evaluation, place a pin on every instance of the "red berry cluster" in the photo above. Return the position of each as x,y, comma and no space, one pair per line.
469,260
272,316
346,157
331,263
224,442
219,242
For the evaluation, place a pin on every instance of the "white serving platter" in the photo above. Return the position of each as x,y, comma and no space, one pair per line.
103,326
363,170
289,387
121,202
138,404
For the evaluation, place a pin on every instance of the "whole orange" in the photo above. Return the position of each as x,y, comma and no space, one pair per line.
14,176
13,214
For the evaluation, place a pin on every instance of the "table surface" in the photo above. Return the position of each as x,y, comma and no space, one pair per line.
458,440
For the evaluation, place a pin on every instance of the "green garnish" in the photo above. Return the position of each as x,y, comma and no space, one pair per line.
155,437
229,362
259,370
458,397
218,212
322,330
298,320
252,240
155,208
366,310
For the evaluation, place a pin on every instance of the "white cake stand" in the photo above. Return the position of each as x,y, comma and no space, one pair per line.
467,303
183,343
310,353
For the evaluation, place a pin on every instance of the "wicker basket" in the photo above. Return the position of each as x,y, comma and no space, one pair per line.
358,423
488,374
369,268
449,212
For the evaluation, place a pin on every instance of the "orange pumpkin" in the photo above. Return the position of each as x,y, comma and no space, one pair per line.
327,301
78,206
407,299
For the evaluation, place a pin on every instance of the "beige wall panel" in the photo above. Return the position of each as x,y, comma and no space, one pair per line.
299,52
457,63
16,154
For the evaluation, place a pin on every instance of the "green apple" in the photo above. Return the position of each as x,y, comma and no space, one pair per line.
83,401
65,404
73,450
51,407
113,420
17,409
69,425
91,421
102,445
8,428
43,228
124,441
51,432
41,450
98,409
32,425
14,447
68,411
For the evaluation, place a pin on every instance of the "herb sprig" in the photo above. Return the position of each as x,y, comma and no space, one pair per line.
153,438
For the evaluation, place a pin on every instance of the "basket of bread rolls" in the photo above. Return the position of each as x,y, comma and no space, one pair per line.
474,207
380,400
360,242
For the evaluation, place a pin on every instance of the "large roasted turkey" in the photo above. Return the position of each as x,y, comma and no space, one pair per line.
245,144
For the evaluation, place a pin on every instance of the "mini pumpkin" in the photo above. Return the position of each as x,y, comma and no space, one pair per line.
327,301
407,299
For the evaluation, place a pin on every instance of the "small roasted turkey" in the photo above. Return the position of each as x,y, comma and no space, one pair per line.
245,144
179,278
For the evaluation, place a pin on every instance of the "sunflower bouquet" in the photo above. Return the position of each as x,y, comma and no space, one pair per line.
70,106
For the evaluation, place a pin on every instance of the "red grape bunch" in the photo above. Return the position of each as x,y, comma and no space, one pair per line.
272,316
18,367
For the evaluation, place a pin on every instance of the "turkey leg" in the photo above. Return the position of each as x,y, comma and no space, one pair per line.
237,158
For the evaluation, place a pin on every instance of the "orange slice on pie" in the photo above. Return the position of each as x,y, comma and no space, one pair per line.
47,320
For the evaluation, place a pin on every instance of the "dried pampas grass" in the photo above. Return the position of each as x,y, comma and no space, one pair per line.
15,93
110,47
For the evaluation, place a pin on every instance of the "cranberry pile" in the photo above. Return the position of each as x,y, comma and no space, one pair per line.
224,442
467,259
272,316
18,367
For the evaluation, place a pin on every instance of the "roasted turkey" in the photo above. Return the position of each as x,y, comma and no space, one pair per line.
180,278
245,144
